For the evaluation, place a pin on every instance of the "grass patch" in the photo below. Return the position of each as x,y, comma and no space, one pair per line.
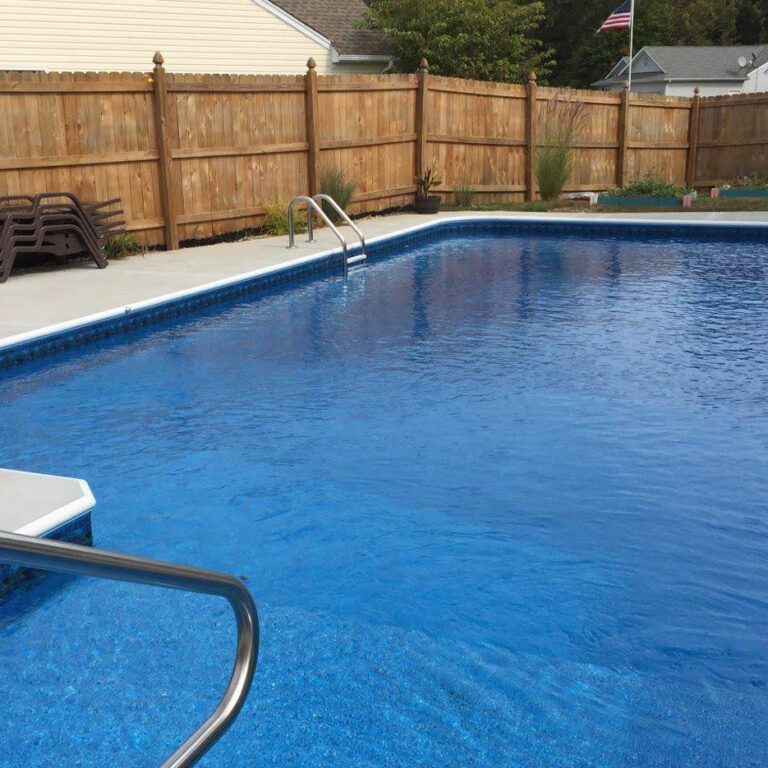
553,160
276,219
335,184
120,246
463,196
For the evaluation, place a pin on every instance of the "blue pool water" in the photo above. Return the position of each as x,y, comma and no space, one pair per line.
503,501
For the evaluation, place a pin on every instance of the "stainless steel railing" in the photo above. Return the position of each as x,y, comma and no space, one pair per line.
362,256
313,206
50,555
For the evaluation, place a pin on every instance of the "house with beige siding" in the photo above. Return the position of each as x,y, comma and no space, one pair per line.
215,36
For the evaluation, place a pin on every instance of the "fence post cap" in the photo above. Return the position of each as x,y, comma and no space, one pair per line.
423,64
625,86
696,91
531,77
158,59
311,63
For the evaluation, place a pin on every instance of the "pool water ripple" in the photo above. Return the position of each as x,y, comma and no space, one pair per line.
503,501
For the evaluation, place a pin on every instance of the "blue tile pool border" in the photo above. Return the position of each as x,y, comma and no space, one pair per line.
95,327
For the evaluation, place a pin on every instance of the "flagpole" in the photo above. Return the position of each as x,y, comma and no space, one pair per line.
631,42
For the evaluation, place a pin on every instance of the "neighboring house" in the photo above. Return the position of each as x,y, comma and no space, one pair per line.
677,70
217,36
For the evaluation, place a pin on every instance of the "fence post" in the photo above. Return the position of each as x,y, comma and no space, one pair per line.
422,80
693,140
313,128
530,138
167,197
623,137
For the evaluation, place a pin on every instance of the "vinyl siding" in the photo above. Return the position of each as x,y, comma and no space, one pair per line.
216,36
719,88
683,88
706,88
644,63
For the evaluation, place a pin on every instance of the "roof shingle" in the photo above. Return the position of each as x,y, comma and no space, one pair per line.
706,62
335,20
696,62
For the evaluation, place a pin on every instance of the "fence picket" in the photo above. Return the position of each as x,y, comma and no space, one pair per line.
195,155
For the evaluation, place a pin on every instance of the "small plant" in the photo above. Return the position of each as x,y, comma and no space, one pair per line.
553,161
649,185
426,181
463,195
120,246
336,185
751,181
276,219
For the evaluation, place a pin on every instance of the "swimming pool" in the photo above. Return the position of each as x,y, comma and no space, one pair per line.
501,498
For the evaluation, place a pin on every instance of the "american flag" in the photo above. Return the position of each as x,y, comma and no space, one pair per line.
621,18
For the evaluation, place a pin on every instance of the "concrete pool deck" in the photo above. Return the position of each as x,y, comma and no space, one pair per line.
33,302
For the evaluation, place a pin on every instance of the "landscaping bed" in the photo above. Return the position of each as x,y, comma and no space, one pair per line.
647,192
734,192
639,201
753,185
702,204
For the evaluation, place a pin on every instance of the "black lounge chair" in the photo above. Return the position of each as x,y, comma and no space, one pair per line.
55,224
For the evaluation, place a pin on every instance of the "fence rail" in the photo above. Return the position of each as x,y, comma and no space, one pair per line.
195,156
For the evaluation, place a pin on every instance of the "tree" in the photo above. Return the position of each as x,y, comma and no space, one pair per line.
706,22
583,56
505,39
751,21
478,39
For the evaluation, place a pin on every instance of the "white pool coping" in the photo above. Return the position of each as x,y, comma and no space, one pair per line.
375,229
33,504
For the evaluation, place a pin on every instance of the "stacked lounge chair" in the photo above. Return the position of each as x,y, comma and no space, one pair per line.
55,224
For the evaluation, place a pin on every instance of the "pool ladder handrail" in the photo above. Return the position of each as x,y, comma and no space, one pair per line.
313,205
49,555
362,256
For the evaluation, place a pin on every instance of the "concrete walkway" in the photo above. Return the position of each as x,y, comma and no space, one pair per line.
36,300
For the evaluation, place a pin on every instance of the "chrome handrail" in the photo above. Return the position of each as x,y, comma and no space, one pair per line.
321,213
343,214
49,555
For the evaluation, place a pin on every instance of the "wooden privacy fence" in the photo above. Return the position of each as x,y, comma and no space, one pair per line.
195,156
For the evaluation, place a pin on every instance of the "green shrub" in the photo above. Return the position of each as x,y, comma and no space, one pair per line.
336,185
553,160
120,246
463,195
276,219
751,181
649,185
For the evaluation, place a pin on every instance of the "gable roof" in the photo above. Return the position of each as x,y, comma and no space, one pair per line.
335,21
706,62
618,68
694,62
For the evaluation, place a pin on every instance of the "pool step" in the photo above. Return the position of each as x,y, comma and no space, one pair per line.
46,506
